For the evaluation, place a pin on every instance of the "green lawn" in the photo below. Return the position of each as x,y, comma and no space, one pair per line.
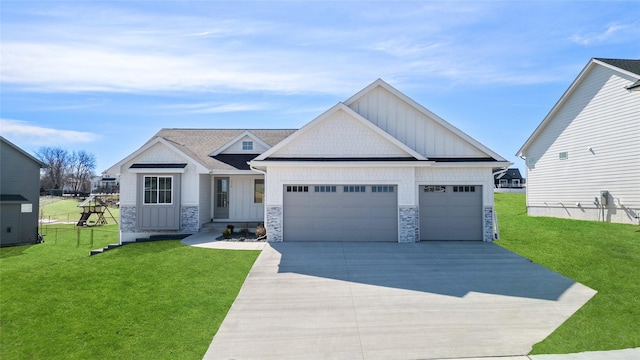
155,300
603,256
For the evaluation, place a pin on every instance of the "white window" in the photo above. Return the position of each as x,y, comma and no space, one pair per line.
247,145
158,189
516,182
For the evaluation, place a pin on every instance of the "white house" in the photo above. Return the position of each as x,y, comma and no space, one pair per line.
583,160
377,167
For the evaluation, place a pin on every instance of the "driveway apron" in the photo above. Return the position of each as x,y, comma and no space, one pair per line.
429,300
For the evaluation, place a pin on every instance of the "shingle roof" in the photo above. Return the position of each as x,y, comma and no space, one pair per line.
200,143
630,65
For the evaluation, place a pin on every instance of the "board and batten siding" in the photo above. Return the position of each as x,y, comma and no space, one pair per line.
598,126
241,199
412,127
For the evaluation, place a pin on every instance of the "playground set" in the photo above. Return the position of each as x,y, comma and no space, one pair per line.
94,205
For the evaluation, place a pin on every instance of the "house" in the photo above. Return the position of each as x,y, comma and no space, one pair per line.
377,167
19,195
583,160
511,178
105,183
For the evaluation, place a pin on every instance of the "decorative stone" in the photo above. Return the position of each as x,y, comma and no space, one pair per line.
189,219
409,224
274,223
127,218
488,224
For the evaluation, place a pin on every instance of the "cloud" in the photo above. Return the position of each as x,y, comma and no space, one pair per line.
212,108
43,136
598,37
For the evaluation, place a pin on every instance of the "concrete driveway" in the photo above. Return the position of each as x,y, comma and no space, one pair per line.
393,301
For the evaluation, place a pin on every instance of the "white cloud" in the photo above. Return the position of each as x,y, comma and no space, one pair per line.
598,37
212,108
43,136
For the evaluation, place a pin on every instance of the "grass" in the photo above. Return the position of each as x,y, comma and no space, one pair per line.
63,209
603,256
144,301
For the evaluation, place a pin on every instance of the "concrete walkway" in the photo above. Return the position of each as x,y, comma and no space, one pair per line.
429,300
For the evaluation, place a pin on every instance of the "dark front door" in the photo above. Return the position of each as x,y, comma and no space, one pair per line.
221,200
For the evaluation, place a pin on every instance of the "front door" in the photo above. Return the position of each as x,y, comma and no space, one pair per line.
221,201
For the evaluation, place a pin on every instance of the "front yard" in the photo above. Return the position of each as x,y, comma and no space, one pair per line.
166,300
603,256
142,301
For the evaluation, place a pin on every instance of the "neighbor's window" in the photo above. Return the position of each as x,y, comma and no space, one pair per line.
258,191
247,145
563,155
157,189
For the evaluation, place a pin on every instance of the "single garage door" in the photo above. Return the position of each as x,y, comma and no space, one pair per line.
340,213
450,212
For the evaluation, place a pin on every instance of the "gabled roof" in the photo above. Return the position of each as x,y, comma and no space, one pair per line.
624,66
236,139
511,173
26,154
354,115
198,144
426,112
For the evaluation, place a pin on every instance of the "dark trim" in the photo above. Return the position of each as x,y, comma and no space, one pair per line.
159,166
13,198
342,159
462,159
238,161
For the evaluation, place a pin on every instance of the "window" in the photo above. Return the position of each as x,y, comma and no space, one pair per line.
382,189
356,188
515,182
504,182
563,155
465,188
258,191
157,189
291,188
435,188
325,188
247,145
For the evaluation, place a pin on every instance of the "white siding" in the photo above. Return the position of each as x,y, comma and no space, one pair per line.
411,126
602,115
237,147
340,135
241,205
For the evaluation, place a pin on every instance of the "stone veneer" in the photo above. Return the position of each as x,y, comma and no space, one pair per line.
127,218
189,219
488,224
273,223
409,224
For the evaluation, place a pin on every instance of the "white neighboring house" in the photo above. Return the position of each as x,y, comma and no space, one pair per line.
377,167
583,160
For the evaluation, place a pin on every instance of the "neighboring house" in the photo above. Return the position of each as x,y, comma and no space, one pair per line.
377,167
105,183
511,178
583,160
19,195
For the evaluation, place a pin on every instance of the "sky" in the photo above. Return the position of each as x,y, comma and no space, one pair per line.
105,76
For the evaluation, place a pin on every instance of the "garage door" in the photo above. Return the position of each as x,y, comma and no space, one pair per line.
340,213
450,212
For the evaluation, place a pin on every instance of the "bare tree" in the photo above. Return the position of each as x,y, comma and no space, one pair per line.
56,161
81,169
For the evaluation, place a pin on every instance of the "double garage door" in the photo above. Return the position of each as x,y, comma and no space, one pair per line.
340,213
370,212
